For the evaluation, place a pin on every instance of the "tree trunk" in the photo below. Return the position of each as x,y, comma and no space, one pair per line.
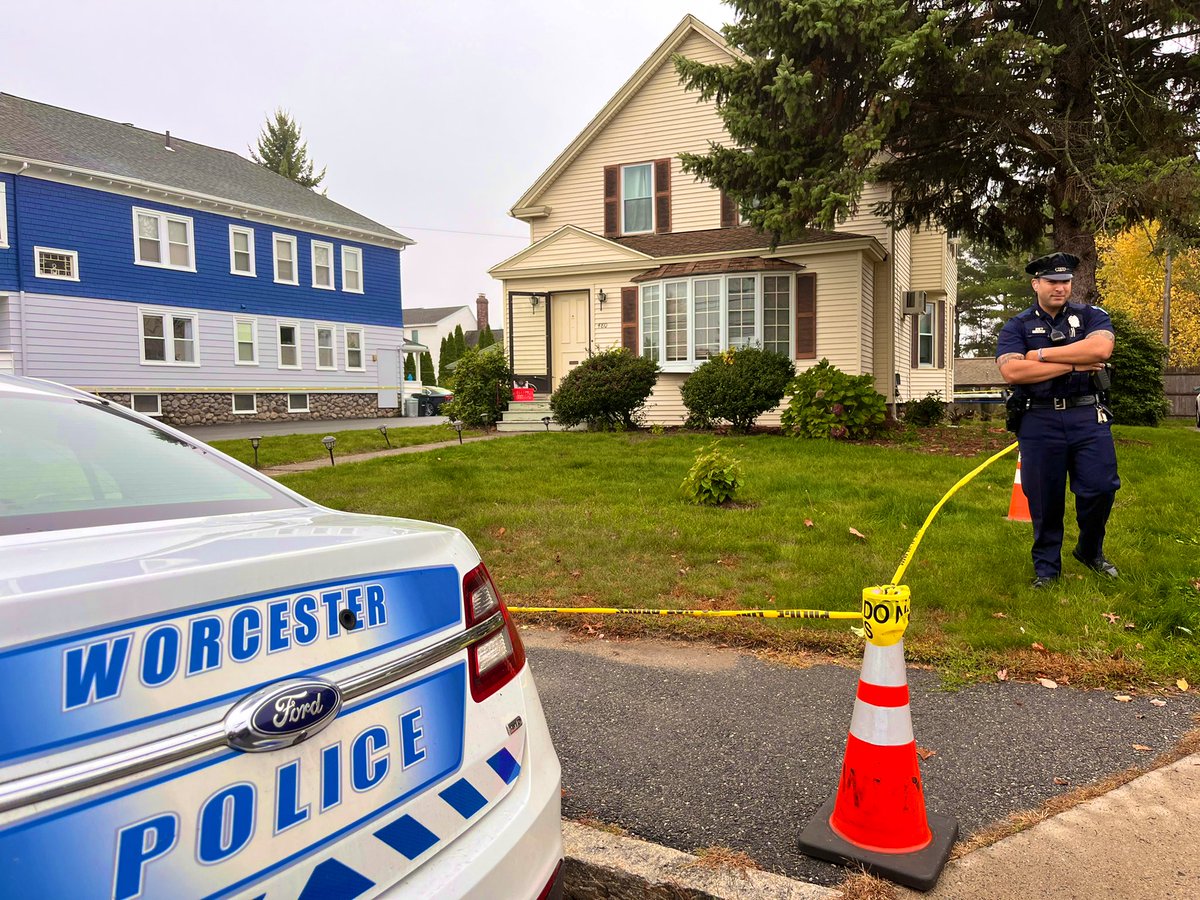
1070,237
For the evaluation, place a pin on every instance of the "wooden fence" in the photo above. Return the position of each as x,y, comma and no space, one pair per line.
1181,385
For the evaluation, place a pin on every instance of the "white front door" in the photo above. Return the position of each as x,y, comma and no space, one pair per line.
568,332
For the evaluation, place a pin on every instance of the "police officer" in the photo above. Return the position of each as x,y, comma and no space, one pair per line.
1050,353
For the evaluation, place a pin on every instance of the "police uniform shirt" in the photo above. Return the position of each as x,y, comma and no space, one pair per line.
1035,329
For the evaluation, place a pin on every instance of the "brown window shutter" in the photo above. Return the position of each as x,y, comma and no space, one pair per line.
662,196
729,212
806,317
939,334
612,201
629,319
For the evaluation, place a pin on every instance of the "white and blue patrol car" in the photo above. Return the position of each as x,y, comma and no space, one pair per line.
212,687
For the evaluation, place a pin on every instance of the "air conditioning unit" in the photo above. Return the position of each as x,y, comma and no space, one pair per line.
914,303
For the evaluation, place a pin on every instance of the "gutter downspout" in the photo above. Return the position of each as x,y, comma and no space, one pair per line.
23,367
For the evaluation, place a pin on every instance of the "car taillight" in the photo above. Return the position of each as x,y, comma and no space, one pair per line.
497,659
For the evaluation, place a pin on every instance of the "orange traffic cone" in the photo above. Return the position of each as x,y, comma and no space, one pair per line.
1018,505
877,817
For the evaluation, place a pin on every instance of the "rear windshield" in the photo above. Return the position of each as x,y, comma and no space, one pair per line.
66,463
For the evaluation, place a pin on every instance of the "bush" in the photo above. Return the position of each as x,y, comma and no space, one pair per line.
1137,396
606,391
482,382
929,410
736,386
713,479
828,403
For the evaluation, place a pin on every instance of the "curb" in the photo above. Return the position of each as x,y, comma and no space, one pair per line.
604,866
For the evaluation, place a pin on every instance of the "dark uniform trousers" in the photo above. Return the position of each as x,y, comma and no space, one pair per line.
1054,443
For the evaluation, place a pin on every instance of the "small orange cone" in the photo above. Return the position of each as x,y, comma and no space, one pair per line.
877,818
1018,505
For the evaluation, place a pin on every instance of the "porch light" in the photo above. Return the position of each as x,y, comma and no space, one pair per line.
533,300
329,440
602,296
254,442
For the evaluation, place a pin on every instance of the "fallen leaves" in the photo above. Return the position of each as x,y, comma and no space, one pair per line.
1113,618
808,523
1142,748
925,752
1002,675
1122,698
1048,683
1182,684
1036,646
1058,779
858,534
1157,701
999,615
501,531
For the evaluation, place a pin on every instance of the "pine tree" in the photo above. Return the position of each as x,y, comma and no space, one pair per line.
486,338
427,368
281,149
410,368
446,356
992,287
998,120
460,342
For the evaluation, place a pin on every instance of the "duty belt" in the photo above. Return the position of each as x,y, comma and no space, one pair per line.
1064,402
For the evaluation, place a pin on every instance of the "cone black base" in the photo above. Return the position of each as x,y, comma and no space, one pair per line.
919,870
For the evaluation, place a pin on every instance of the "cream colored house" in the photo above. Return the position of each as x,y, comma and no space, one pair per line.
628,249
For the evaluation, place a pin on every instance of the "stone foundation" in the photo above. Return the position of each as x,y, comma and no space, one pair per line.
217,409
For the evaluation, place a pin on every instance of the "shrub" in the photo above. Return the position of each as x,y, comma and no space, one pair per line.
607,391
929,410
713,479
828,403
1137,396
736,386
482,382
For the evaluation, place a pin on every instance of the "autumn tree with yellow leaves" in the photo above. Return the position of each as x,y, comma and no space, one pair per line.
1131,277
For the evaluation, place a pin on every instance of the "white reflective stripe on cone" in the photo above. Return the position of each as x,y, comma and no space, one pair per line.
884,666
883,726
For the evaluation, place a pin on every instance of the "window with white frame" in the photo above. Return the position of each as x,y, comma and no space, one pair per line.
285,258
352,274
925,342
289,345
146,404
637,198
163,239
53,263
245,404
685,322
241,250
169,339
3,214
325,355
322,265
354,349
245,342
297,403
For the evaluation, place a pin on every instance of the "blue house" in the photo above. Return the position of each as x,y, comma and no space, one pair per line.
188,282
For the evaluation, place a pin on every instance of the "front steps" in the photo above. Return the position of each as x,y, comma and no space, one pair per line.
527,416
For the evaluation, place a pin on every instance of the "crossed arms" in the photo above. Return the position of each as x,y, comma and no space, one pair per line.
1035,366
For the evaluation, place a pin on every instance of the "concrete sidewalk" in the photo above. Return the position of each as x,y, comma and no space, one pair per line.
309,465
234,430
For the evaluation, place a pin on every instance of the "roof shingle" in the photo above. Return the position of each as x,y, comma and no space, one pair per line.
37,131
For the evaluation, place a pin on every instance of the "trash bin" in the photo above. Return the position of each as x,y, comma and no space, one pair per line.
410,406
424,405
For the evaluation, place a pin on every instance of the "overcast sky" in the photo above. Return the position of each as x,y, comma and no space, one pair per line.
433,116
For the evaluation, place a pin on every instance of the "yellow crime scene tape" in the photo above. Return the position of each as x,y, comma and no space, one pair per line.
885,608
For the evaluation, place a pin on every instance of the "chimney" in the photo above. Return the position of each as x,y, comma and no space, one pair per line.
167,142
481,311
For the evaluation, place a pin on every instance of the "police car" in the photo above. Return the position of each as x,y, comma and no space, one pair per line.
211,686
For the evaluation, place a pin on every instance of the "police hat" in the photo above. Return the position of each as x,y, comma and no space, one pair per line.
1054,267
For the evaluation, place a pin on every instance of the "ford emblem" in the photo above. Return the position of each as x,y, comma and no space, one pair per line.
283,714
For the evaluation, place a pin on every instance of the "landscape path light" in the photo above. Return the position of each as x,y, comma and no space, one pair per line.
457,425
254,442
546,422
329,440
383,431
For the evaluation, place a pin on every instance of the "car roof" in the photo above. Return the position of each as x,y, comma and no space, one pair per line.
20,385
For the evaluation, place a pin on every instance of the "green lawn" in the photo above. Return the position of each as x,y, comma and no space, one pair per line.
278,450
578,519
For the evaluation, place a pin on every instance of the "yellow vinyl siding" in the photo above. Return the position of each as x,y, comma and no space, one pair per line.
867,343
659,122
929,257
528,326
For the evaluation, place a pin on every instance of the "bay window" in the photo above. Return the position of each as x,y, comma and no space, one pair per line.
684,322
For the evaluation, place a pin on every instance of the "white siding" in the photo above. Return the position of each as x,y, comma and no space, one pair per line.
93,344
